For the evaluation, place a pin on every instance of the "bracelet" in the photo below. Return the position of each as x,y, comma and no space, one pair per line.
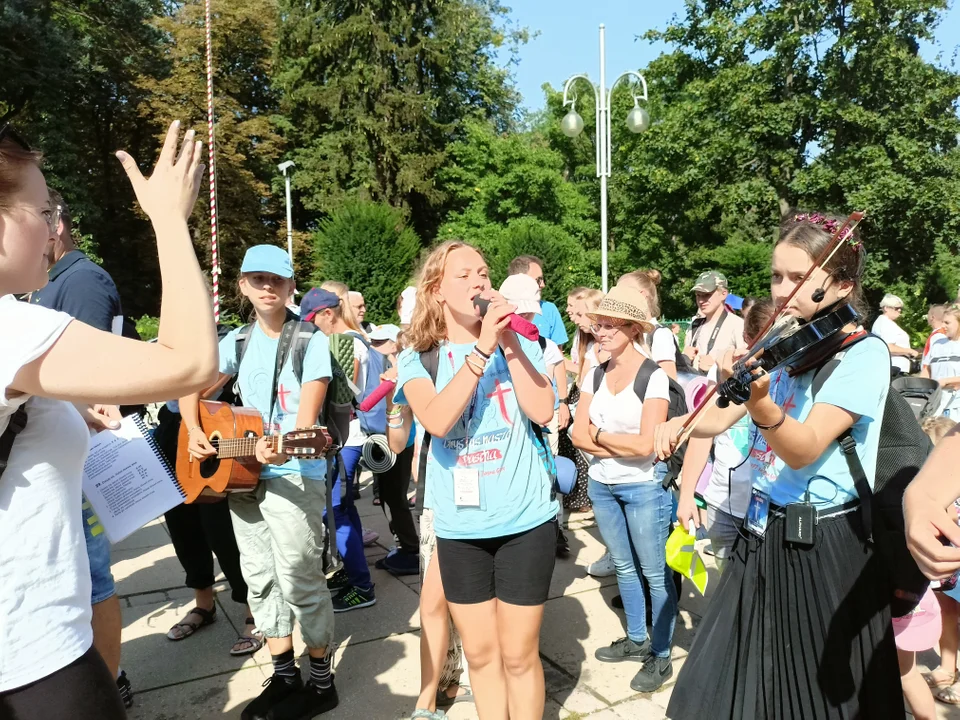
596,438
395,426
481,353
480,356
783,417
475,369
397,411
478,366
195,427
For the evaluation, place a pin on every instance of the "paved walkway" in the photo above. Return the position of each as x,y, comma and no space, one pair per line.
377,658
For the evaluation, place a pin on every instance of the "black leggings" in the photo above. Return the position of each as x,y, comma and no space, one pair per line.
394,485
83,690
199,529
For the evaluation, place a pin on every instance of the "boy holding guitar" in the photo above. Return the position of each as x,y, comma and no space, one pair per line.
279,525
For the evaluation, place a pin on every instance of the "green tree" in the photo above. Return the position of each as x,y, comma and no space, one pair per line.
374,91
246,142
369,247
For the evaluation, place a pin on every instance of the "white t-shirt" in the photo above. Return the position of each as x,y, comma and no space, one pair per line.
730,492
360,352
892,334
621,413
551,353
663,345
45,609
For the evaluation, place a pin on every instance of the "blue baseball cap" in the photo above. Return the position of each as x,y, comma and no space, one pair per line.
267,258
316,300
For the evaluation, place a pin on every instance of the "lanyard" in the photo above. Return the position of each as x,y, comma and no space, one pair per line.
467,414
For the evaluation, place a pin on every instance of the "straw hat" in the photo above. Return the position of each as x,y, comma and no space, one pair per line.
624,303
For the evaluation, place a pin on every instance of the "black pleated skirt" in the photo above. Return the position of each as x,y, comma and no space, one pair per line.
795,634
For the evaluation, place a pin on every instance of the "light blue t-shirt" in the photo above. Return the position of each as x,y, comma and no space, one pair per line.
858,384
494,437
550,324
255,379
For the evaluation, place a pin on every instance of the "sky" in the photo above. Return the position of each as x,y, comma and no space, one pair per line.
567,42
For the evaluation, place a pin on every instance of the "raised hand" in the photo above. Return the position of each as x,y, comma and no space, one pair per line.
173,187
495,321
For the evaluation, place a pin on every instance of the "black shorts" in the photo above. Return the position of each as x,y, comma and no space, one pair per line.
514,569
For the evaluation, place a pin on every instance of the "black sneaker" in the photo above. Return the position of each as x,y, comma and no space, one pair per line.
276,690
617,602
624,649
398,562
126,692
339,582
655,672
354,598
307,703
563,545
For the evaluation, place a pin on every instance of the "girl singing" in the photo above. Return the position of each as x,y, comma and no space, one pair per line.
492,496
801,630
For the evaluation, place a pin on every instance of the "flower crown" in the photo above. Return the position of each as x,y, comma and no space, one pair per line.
829,225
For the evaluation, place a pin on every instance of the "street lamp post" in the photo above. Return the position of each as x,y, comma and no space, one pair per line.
283,167
638,120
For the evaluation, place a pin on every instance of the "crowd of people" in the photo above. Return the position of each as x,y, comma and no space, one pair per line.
484,420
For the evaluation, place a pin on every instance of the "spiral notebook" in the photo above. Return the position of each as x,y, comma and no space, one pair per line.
127,480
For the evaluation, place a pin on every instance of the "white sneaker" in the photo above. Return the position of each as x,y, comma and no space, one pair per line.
370,537
603,567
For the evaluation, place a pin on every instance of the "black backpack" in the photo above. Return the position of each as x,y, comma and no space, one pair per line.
681,360
902,451
677,407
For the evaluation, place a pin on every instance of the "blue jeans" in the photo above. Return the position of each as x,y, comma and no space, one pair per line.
347,519
634,520
98,552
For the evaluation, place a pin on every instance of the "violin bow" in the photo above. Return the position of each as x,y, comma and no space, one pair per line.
840,236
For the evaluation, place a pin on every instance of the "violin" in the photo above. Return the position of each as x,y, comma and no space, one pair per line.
785,341
791,344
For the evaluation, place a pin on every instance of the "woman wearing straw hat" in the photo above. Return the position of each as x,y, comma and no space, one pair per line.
632,508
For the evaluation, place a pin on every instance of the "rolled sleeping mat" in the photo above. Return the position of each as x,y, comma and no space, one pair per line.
696,391
566,474
377,456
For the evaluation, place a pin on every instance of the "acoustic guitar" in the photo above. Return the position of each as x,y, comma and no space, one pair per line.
234,431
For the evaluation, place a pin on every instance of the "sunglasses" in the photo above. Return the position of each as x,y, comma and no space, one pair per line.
8,133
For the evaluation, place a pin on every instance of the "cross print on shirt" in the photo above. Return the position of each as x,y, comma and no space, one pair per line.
282,397
500,393
790,404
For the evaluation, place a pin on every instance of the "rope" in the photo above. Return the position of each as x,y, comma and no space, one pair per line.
215,260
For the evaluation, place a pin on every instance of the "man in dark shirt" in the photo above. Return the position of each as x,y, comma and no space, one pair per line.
85,291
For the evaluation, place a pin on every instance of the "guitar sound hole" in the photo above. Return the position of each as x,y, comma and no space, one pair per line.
209,467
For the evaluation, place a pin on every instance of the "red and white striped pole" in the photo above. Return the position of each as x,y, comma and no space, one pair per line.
211,165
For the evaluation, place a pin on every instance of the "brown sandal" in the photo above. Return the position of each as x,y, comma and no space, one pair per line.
251,643
186,629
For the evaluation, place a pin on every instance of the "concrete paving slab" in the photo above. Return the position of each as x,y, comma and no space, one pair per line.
149,536
147,569
153,661
222,697
640,708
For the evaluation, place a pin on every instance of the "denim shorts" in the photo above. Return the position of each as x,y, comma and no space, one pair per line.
98,551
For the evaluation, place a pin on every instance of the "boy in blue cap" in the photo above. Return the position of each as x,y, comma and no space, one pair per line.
278,526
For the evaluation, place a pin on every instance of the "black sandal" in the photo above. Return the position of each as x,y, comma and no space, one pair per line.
188,628
256,641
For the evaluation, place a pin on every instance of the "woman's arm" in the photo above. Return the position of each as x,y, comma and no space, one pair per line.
694,461
950,382
637,445
900,350
929,516
581,429
669,367
797,443
312,395
91,366
534,391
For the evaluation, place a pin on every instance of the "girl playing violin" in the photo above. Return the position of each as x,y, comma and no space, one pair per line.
800,630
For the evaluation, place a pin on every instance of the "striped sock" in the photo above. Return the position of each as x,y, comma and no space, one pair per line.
320,674
284,666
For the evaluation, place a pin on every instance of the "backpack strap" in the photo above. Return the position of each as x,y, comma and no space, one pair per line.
640,382
598,377
304,333
542,342
18,421
430,359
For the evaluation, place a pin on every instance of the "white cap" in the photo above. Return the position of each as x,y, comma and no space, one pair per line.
522,291
408,301
384,332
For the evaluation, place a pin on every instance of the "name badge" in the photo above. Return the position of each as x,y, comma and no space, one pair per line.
466,487
757,513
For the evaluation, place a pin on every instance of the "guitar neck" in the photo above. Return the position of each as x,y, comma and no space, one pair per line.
232,448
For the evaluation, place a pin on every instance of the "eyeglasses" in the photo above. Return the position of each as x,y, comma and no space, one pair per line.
597,328
50,215
540,281
7,132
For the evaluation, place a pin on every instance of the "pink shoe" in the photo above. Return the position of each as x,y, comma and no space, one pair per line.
370,537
